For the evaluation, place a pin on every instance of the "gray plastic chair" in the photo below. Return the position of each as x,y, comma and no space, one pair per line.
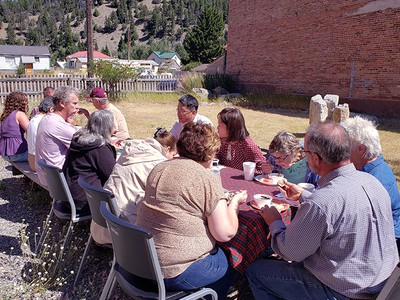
136,267
94,196
59,191
391,289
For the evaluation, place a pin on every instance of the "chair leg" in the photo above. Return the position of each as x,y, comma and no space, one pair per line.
45,228
110,283
83,258
67,236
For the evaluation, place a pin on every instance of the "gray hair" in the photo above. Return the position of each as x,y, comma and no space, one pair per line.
99,126
64,94
364,132
330,141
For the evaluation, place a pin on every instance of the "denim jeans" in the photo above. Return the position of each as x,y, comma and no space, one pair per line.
278,279
16,158
213,271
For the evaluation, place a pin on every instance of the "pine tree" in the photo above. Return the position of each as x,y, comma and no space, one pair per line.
204,42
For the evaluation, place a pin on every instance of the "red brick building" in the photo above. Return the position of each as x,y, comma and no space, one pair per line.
348,48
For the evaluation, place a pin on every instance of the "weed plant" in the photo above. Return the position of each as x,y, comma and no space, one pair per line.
188,82
223,80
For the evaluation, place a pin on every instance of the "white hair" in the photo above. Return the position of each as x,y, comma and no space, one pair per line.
364,132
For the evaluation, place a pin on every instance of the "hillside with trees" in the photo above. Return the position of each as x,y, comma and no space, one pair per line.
119,26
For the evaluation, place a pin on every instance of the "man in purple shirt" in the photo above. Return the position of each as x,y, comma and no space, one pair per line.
54,133
338,245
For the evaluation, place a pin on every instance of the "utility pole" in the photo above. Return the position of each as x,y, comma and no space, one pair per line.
89,40
129,41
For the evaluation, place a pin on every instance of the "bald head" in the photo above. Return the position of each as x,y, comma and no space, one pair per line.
330,141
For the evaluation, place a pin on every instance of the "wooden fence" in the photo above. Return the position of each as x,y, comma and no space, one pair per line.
33,85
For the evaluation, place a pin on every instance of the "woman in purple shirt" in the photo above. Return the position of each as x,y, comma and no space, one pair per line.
14,123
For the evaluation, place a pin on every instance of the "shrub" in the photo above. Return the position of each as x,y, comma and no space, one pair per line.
188,82
222,80
190,66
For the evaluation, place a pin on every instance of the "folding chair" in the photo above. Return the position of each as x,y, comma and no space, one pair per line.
94,196
136,267
391,289
59,191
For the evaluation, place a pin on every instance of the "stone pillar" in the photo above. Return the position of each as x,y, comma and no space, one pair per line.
331,101
318,110
341,113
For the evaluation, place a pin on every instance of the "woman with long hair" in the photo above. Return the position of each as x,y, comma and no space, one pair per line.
236,144
14,123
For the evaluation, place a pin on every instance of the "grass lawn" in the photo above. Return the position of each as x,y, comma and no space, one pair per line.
145,112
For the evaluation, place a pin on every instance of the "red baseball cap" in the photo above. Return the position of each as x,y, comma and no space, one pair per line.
97,92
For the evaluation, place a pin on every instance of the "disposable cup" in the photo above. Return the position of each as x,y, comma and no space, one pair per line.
248,170
307,186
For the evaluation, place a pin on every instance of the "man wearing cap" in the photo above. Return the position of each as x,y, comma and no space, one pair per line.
100,102
187,112
44,107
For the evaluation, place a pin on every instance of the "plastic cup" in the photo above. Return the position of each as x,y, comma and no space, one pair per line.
248,170
307,186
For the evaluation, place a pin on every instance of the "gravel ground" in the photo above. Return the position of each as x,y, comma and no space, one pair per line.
23,208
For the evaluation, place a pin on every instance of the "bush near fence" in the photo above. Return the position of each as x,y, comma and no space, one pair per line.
33,85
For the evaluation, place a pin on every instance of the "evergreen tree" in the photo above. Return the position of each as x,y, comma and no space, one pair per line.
11,38
204,41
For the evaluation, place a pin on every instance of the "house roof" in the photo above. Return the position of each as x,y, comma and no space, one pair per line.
200,68
15,50
164,55
83,54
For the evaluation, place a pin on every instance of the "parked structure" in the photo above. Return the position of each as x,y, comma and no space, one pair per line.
318,47
166,60
142,65
78,60
33,58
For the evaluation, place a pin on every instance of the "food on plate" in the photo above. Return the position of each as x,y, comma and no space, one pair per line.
267,180
279,206
261,200
281,183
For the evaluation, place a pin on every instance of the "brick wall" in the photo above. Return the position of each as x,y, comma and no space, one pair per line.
348,48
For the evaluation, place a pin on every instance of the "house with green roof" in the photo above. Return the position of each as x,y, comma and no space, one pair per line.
166,60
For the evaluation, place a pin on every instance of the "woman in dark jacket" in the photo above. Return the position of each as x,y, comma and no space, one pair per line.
90,155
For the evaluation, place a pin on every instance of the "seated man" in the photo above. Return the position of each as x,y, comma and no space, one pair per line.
341,240
187,112
54,134
366,155
100,102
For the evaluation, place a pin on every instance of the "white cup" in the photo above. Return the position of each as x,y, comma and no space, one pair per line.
307,186
261,200
248,170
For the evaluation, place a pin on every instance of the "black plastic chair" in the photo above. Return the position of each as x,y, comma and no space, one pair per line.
94,196
391,289
136,267
59,191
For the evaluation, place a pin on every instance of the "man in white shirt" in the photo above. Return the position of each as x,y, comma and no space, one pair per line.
187,112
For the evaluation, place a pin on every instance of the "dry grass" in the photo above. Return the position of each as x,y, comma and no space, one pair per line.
146,112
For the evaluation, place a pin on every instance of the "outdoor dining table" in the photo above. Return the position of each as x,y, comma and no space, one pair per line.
252,235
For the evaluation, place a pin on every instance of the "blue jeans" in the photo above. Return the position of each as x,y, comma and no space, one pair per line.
213,271
278,279
16,158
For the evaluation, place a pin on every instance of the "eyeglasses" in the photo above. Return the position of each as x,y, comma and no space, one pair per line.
307,151
160,131
183,112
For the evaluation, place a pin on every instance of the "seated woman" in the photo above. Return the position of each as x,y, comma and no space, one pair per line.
287,157
128,178
236,144
90,155
186,211
14,123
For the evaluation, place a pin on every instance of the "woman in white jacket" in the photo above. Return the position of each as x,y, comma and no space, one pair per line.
128,178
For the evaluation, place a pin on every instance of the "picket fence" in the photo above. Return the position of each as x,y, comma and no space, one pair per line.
33,85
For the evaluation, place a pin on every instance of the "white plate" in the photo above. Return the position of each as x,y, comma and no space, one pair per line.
260,177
